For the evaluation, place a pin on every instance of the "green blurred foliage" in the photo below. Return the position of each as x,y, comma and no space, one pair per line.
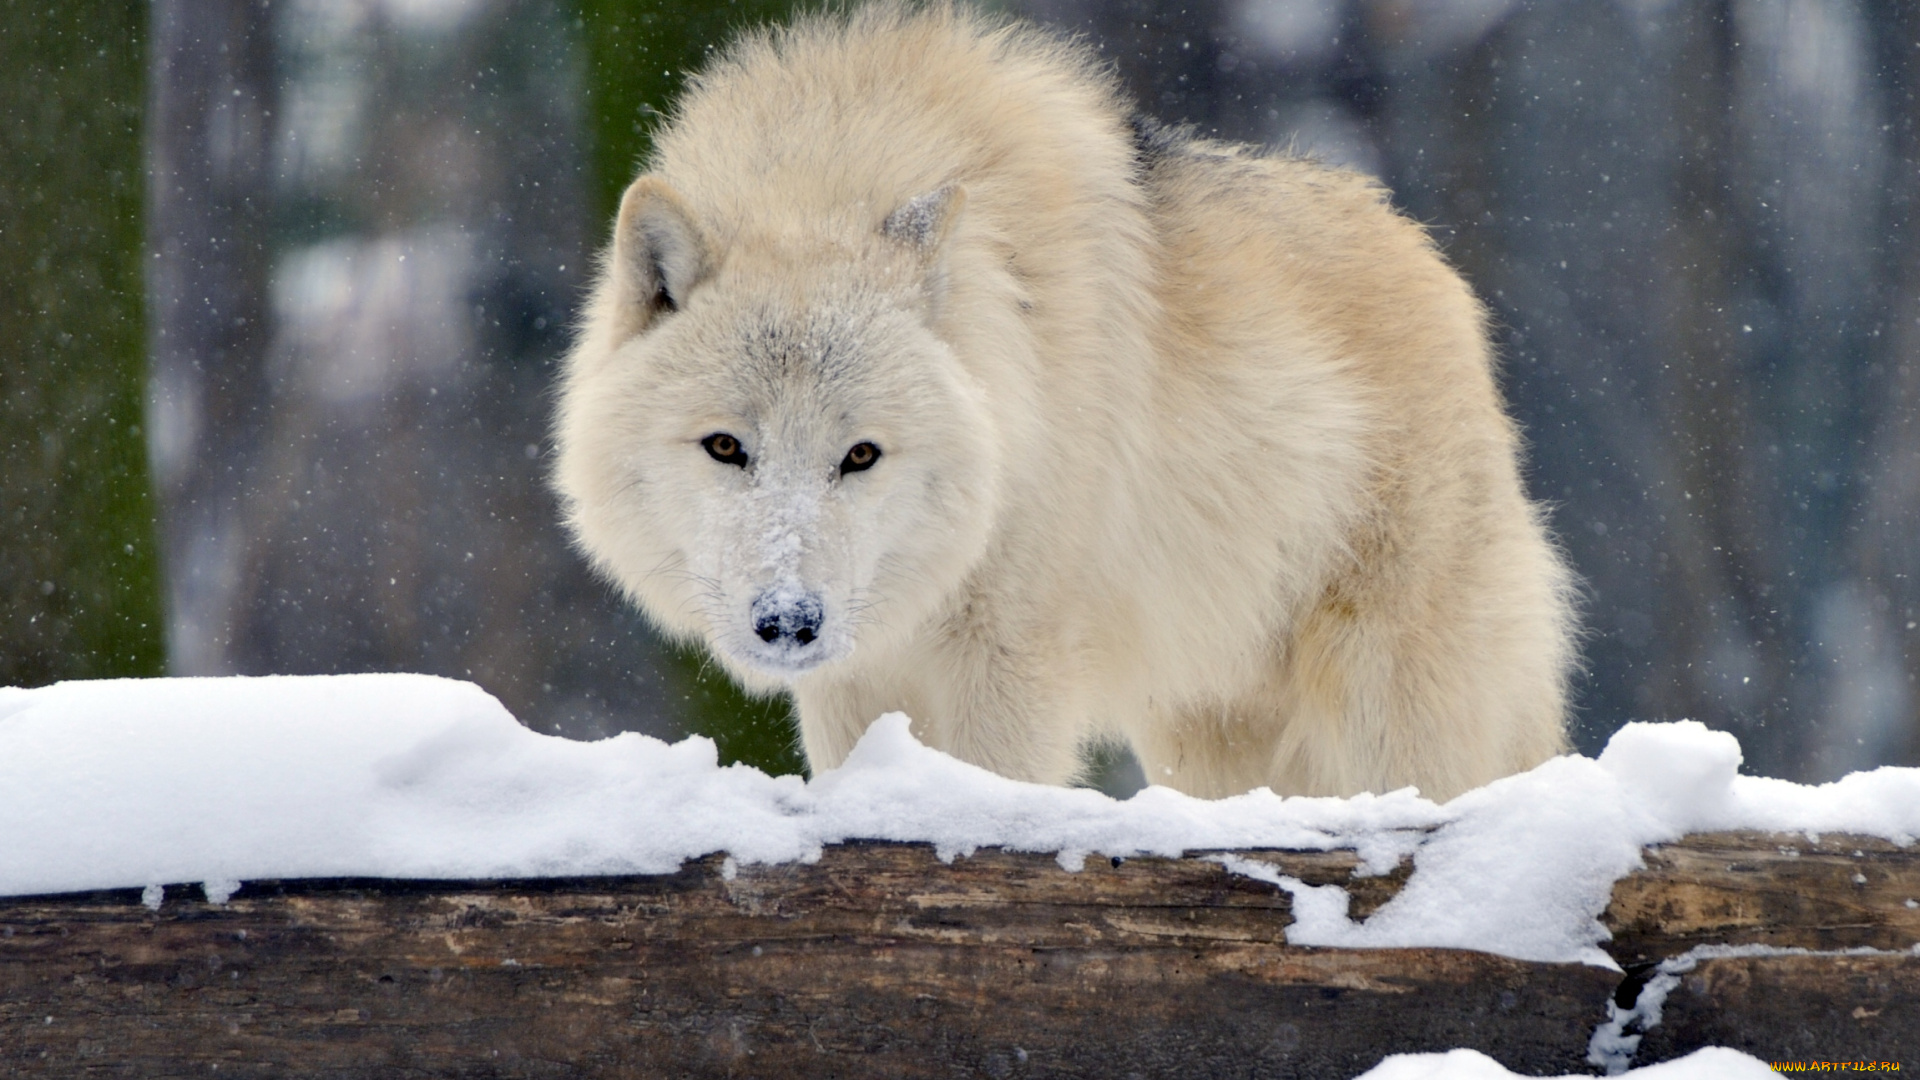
639,53
759,732
79,584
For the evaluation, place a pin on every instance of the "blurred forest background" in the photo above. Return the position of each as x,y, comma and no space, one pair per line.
286,282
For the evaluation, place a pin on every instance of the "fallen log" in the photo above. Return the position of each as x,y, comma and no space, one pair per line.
880,960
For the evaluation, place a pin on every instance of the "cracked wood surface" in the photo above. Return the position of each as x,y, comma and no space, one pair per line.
879,960
1779,889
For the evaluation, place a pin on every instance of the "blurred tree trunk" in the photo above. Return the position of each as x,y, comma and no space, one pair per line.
78,591
209,198
1888,537
1719,600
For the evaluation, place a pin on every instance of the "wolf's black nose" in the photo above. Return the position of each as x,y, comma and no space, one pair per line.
787,615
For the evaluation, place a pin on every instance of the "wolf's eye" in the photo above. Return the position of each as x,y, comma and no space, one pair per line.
725,449
862,456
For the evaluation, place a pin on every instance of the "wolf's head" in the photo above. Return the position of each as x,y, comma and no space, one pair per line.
763,439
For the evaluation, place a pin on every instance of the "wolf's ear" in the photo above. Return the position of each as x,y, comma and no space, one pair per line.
659,254
923,221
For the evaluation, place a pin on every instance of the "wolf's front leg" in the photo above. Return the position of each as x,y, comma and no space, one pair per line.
981,706
834,713
1023,728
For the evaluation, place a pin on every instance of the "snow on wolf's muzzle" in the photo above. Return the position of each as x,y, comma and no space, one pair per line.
786,617
789,633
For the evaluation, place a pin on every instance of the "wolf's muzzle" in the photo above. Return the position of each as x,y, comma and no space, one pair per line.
787,617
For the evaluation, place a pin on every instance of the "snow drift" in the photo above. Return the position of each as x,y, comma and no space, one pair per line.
137,783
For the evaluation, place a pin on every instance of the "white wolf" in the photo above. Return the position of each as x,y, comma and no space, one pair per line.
917,378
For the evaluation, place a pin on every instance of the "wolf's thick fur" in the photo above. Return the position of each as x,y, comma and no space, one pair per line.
1179,443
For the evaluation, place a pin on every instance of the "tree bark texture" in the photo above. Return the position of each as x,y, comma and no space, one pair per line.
880,961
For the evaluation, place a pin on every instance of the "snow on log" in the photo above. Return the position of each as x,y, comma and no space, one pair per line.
387,876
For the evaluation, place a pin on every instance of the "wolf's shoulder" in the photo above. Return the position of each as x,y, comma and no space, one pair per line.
878,104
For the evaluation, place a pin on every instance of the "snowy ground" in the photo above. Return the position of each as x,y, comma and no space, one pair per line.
145,783
1711,1063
